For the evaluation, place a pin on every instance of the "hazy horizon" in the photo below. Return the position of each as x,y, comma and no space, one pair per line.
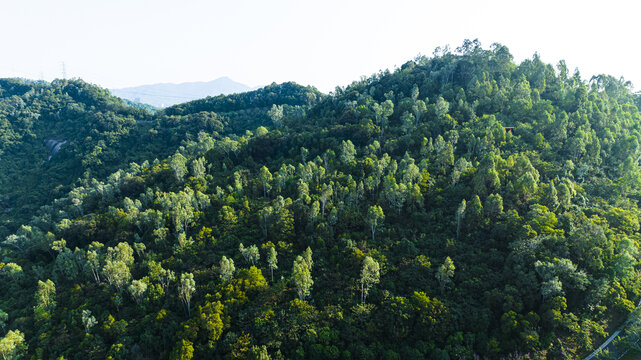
122,44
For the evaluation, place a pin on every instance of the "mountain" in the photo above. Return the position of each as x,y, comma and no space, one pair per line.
65,132
462,206
163,95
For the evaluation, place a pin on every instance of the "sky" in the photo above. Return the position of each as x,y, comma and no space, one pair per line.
122,43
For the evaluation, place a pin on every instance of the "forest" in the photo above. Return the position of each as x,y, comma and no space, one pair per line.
461,206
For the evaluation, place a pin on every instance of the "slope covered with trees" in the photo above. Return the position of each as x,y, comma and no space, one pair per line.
69,132
461,206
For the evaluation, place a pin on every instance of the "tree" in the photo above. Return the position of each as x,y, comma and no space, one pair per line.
460,214
178,166
88,320
11,345
348,152
326,192
183,351
369,276
227,268
302,277
46,295
186,289
93,259
198,169
445,273
265,178
137,289
264,216
407,122
374,216
382,112
272,260
442,107
250,254
3,319
276,114
419,108
117,264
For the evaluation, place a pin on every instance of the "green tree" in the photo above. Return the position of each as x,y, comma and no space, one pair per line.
117,265
442,107
178,166
3,320
227,268
186,289
46,295
265,178
445,273
265,215
88,320
460,214
407,122
250,254
276,114
272,260
198,169
137,289
183,351
326,193
302,277
12,345
370,275
374,216
348,152
419,108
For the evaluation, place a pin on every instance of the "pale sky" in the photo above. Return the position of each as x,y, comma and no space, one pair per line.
120,43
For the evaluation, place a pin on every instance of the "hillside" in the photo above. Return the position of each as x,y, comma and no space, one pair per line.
461,206
98,134
163,95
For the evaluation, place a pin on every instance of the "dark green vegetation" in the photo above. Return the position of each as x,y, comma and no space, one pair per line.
394,219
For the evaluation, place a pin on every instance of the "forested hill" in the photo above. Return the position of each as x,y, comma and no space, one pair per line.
461,206
98,134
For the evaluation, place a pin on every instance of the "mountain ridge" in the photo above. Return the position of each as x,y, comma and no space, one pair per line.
167,94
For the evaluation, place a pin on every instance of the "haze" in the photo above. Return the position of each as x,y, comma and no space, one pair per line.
127,43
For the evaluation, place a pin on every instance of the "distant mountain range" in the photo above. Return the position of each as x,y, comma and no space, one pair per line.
163,95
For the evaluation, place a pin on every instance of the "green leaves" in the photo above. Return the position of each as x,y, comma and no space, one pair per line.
186,289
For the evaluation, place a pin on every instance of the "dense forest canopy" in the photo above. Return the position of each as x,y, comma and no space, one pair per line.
461,206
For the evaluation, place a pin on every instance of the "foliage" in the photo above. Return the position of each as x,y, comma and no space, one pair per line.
479,207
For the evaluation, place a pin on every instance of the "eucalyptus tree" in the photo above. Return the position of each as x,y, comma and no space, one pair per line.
227,268
186,289
370,275
272,260
374,216
302,277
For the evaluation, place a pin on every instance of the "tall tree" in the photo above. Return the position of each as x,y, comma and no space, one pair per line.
272,260
374,216
137,289
276,114
370,275
186,289
460,214
445,273
3,320
265,178
227,268
46,295
88,320
302,277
